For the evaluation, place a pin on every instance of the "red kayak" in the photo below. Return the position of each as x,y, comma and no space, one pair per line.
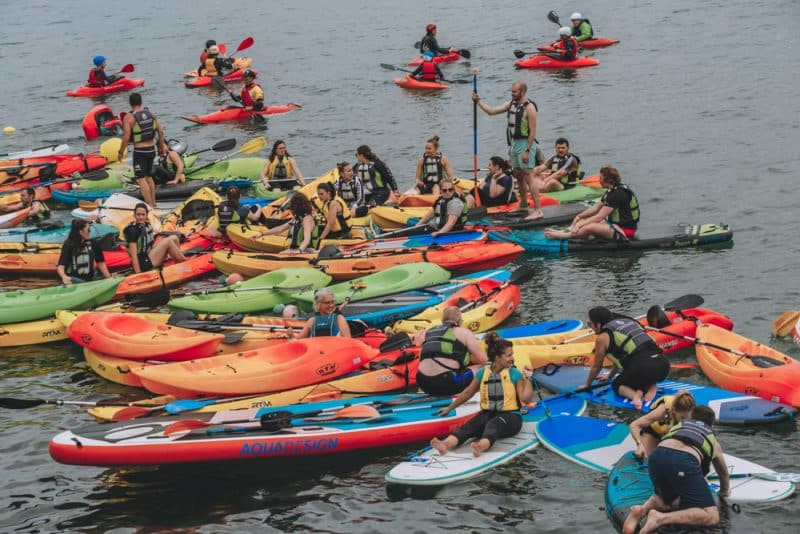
444,58
205,81
237,113
407,82
597,42
547,62
123,84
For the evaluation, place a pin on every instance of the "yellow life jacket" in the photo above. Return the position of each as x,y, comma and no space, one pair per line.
498,392
211,69
663,425
341,221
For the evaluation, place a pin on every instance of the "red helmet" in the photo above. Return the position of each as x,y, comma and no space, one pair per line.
430,27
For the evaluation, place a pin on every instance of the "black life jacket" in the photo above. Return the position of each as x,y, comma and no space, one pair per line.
440,212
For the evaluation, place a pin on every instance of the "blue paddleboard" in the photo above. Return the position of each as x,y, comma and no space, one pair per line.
541,329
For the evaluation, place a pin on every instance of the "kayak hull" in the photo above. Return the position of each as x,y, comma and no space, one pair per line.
32,304
234,114
444,58
124,84
546,62
408,82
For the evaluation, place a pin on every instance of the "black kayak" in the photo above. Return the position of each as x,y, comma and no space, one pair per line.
515,220
188,188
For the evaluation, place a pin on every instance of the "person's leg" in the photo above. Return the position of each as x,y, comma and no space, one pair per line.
598,229
635,395
498,426
522,187
167,246
705,517
150,198
537,205
638,512
472,428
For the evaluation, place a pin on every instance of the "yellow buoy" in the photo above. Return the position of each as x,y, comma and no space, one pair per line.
9,129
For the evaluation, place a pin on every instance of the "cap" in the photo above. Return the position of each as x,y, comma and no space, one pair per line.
249,73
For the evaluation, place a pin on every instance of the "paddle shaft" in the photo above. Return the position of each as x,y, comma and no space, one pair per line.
701,342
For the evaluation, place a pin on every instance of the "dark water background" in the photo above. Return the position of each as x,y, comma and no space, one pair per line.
698,107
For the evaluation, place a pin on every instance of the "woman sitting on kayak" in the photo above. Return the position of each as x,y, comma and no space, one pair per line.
432,168
503,390
665,413
280,170
631,350
449,212
79,255
615,217
428,71
378,180
231,211
333,213
145,253
351,189
302,228
326,320
498,186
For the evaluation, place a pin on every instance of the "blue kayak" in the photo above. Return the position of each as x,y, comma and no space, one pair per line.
730,408
50,233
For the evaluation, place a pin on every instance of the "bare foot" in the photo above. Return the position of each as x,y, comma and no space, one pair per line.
637,401
479,447
536,214
651,393
439,445
552,233
632,521
654,521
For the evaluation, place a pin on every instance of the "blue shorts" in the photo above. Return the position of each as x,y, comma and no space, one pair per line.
518,146
676,474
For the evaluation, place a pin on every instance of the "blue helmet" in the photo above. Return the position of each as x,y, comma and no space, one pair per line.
429,54
98,60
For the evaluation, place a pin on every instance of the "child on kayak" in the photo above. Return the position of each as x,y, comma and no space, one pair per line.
503,390
428,71
98,76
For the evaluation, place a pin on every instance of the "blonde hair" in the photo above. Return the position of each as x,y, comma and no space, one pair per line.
683,402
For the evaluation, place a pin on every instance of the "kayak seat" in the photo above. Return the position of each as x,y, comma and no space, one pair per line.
180,316
657,317
232,317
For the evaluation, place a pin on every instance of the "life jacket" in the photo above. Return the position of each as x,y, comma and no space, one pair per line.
441,343
38,218
440,212
428,71
518,127
348,189
145,239
569,179
280,169
211,68
663,425
497,391
341,223
628,216
577,31
627,338
697,435
371,179
297,234
82,264
325,325
506,198
247,95
574,47
432,170
144,128
227,214
94,81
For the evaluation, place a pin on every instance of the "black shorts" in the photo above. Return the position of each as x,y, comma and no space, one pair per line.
377,197
144,263
677,475
642,371
143,159
491,426
426,188
448,383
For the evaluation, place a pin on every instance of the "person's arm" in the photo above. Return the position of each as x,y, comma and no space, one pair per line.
275,229
721,467
253,213
358,191
487,109
264,176
103,268
524,386
306,331
463,397
344,328
451,222
133,253
333,211
600,351
126,135
447,168
64,259
566,169
586,32
66,280
387,176
100,259
425,218
640,424
539,169
418,174
495,189
417,71
308,230
476,352
296,170
585,215
11,207
177,162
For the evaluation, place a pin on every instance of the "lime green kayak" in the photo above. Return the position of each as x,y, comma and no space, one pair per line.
246,298
249,168
577,194
32,304
393,280
270,194
120,176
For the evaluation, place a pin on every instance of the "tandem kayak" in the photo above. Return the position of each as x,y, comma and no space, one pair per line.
32,304
595,42
205,81
409,82
546,62
237,113
679,235
123,84
444,58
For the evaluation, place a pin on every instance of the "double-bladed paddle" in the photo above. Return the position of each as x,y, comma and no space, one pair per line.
463,52
783,325
256,144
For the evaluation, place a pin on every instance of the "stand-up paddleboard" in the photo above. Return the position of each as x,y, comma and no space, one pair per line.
539,329
428,468
598,444
629,484
730,408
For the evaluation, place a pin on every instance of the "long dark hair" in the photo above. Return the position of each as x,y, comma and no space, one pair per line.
367,152
327,186
496,345
497,161
74,238
274,152
300,206
601,315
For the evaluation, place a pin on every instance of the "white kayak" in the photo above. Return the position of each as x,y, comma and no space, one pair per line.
41,152
117,211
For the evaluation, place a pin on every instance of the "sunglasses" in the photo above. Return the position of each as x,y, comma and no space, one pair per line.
447,190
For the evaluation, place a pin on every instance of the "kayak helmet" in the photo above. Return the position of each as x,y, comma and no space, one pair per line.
564,31
98,60
249,73
576,16
213,49
178,146
430,27
428,55
210,42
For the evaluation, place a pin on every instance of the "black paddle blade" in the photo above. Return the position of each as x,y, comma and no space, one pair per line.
522,274
275,420
388,67
656,317
552,16
224,145
148,300
18,404
519,54
684,302
476,213
398,341
328,252
95,175
463,52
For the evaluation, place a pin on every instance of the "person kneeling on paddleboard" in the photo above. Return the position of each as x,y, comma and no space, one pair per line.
252,96
98,76
145,253
614,218
428,71
447,353
326,320
677,469
623,341
503,390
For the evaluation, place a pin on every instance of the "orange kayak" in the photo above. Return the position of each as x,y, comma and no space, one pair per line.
279,367
170,276
748,366
137,338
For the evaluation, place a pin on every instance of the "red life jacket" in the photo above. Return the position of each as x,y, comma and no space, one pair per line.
203,56
428,71
93,81
564,48
247,99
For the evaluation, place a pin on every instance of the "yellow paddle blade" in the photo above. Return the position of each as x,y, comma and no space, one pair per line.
785,322
254,145
110,149
87,205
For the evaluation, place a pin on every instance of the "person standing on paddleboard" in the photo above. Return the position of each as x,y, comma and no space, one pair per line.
98,76
449,355
665,413
521,137
678,467
504,389
623,341
429,43
80,255
141,127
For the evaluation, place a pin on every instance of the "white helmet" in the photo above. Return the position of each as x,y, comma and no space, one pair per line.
564,31
576,16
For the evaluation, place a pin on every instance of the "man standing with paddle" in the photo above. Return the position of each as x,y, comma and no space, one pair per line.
140,127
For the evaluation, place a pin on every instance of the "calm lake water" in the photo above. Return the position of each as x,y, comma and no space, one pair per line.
697,107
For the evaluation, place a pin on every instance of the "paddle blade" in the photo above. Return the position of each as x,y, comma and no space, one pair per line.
783,325
185,425
223,48
463,52
127,68
95,175
685,302
522,274
19,404
552,16
245,44
254,145
519,54
148,300
592,180
224,145
187,405
359,411
132,412
388,67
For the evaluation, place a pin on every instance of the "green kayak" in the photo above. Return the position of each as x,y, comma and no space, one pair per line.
576,194
245,298
249,168
270,194
120,176
33,304
393,280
